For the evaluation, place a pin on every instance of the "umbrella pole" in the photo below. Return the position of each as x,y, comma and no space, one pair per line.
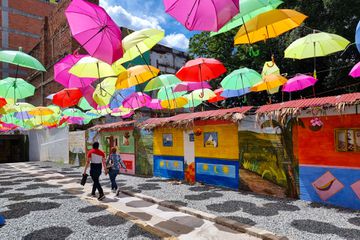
143,58
247,34
100,30
242,82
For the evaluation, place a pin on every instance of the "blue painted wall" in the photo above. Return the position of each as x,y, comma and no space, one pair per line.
169,167
218,172
347,183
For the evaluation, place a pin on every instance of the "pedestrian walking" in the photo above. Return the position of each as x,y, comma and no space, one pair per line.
114,163
96,159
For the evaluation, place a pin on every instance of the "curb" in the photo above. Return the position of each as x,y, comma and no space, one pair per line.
232,224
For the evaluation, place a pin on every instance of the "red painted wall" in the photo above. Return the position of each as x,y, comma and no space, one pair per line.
318,148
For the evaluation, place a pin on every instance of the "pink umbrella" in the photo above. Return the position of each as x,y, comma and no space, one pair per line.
202,15
355,71
128,115
154,104
93,28
62,75
298,83
190,86
88,93
137,100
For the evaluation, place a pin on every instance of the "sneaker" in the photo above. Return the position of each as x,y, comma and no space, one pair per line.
117,192
101,197
93,195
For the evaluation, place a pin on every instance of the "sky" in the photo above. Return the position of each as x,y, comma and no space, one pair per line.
140,14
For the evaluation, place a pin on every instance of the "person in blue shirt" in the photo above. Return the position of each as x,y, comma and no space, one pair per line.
114,163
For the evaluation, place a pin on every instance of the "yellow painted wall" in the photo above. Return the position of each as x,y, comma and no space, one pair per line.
228,147
178,142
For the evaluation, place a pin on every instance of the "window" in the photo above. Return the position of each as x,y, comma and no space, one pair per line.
347,140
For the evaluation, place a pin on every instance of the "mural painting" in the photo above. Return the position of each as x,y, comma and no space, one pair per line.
77,148
144,152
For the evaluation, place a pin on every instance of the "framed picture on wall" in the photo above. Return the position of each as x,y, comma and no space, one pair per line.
167,140
211,140
126,139
347,140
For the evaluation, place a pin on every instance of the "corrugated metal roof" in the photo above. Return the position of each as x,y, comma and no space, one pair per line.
112,125
312,102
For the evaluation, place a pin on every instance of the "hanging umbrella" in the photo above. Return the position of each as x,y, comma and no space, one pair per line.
73,112
154,104
3,102
357,37
139,42
20,107
67,97
136,100
122,112
165,80
41,111
56,109
101,110
104,91
88,93
355,71
50,96
16,88
240,79
248,10
93,28
202,94
68,80
190,86
119,96
234,93
21,59
269,82
89,67
299,83
84,104
205,15
167,93
175,103
135,76
192,103
270,67
268,25
218,97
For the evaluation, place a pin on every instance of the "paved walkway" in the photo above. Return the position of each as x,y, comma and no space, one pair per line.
161,220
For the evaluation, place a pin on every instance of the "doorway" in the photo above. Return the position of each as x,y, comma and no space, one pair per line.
14,148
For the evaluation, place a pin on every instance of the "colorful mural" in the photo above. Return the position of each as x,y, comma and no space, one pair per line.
169,167
144,152
330,173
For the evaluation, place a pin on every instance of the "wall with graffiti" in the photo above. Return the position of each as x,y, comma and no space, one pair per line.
216,153
328,149
169,153
267,163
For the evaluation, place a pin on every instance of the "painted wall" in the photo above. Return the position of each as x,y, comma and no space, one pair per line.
327,175
144,141
217,153
169,153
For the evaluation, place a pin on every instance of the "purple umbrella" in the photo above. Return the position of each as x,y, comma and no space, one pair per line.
191,86
23,115
88,93
202,15
93,28
154,104
68,80
137,100
355,71
298,83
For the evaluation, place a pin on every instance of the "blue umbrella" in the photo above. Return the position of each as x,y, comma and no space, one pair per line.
234,93
357,36
23,115
119,96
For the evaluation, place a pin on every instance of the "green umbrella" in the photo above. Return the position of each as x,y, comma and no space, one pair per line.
16,88
20,107
84,104
19,58
248,10
165,80
167,93
241,79
192,103
202,94
73,112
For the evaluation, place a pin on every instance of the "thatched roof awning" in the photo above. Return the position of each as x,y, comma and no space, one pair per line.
113,126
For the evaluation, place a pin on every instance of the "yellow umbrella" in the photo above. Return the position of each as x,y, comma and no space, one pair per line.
89,67
269,25
135,76
20,107
269,82
104,91
121,111
41,111
270,67
175,103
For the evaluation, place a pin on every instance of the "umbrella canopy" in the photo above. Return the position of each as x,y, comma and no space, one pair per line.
73,112
167,93
104,91
205,15
201,69
175,103
137,100
139,42
67,97
68,80
192,103
355,71
357,37
240,79
16,88
298,83
234,93
89,67
269,82
119,96
93,28
248,10
88,93
270,67
56,109
268,25
154,104
23,115
165,80
202,94
3,102
41,111
190,86
84,104
122,112
218,97
21,59
135,76
20,107
316,45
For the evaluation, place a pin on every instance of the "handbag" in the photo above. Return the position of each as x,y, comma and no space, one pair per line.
84,178
109,163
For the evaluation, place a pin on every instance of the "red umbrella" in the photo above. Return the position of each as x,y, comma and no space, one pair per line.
3,102
218,97
67,97
201,69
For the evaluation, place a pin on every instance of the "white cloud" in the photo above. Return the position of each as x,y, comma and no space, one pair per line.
176,40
